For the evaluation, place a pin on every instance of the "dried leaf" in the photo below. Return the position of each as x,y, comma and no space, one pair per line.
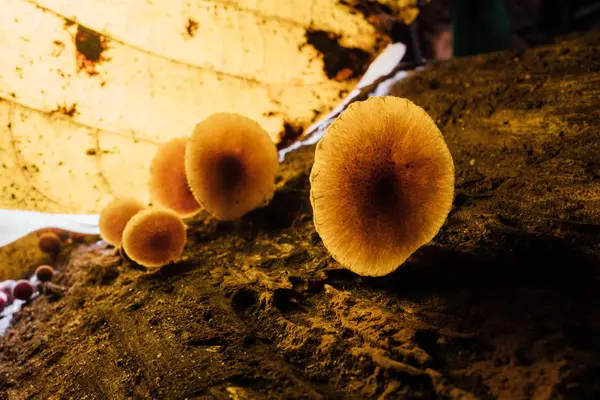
405,11
84,99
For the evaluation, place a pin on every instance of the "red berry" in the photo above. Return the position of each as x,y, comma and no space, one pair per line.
6,287
44,273
23,290
3,301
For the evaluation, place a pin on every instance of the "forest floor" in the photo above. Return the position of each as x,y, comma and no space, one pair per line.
503,304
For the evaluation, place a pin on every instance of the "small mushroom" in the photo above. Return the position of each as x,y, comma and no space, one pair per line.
115,216
49,242
168,183
382,184
154,237
44,273
231,163
23,290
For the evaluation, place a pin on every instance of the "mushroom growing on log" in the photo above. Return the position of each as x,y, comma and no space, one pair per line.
168,184
115,216
231,164
154,237
382,184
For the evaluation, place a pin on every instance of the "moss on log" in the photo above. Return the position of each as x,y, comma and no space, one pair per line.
503,304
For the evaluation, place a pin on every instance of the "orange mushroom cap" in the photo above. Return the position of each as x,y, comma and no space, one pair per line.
44,273
114,218
154,237
168,183
382,184
231,164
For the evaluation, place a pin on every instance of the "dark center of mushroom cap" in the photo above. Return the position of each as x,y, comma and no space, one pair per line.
230,173
378,185
384,191
159,242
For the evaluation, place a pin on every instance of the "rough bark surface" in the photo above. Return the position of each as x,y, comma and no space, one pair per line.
503,304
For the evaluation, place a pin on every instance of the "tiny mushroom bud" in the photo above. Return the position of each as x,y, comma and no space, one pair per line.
23,290
49,242
231,163
154,237
115,216
3,301
44,273
168,183
6,287
382,184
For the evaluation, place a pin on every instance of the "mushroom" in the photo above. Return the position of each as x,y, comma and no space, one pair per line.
49,242
115,216
154,237
168,183
231,163
382,184
23,290
44,273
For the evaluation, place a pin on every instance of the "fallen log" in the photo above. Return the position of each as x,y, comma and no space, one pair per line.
502,304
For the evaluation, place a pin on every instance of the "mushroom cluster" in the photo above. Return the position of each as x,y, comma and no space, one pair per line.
382,185
150,236
226,167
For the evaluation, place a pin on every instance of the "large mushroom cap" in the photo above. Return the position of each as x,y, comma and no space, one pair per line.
382,184
154,237
168,183
114,218
231,164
